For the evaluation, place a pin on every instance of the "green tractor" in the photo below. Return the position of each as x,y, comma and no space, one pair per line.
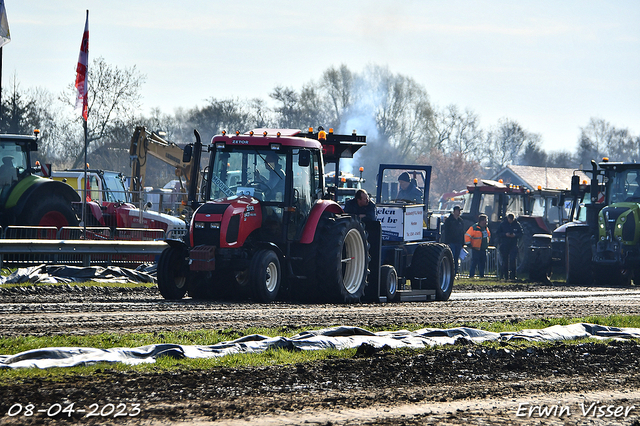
606,247
25,198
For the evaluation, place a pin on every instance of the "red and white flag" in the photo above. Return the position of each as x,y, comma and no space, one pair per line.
81,72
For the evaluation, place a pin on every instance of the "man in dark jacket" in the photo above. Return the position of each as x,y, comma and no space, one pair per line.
509,232
409,191
454,234
361,206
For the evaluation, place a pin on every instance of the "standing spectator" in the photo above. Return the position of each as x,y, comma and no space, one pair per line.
361,205
454,234
478,237
509,232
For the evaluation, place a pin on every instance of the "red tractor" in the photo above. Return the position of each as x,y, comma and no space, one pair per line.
267,228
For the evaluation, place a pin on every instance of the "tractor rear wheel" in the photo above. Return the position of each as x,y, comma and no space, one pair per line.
343,259
173,273
51,211
578,265
434,261
265,275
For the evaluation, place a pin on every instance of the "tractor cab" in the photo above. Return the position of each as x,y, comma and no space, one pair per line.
274,181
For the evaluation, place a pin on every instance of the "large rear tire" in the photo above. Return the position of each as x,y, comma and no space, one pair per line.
434,261
265,275
578,265
173,273
343,259
50,211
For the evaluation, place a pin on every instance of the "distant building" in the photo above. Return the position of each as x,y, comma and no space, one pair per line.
532,176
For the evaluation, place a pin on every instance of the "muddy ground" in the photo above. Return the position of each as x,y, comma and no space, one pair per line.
466,384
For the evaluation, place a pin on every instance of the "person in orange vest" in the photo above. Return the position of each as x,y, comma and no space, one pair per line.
477,237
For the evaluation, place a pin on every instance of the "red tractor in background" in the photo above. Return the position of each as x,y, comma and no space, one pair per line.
496,200
268,228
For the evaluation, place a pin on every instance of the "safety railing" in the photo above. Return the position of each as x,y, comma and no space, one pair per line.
24,246
490,269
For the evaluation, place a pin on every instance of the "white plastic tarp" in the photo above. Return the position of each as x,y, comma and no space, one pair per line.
337,338
69,274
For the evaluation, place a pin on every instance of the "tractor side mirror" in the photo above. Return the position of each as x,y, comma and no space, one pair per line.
304,158
187,153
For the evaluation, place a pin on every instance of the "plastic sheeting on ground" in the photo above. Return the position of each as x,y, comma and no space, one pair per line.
69,274
337,338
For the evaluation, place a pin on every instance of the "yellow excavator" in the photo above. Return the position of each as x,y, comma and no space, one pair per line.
145,144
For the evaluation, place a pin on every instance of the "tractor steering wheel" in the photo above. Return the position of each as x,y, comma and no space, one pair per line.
260,186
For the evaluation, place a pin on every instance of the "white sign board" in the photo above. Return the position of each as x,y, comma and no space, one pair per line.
413,223
400,223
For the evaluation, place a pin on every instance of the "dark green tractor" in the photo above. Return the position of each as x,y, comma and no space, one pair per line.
26,198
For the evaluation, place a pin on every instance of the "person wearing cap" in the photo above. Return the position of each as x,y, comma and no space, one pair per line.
8,172
454,234
508,234
408,189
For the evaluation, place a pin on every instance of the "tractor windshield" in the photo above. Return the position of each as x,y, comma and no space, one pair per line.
114,188
257,172
625,186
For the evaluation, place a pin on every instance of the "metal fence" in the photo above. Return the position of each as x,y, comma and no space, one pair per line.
35,245
490,269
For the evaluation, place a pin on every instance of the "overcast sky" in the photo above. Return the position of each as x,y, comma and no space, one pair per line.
550,65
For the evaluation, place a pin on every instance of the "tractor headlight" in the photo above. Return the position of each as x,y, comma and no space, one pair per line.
198,225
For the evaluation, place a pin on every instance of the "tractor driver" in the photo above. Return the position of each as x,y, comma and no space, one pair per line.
275,181
8,172
408,189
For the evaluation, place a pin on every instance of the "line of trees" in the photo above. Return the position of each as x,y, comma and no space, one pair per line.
393,110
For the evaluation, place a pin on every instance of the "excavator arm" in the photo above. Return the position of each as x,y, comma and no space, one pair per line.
144,144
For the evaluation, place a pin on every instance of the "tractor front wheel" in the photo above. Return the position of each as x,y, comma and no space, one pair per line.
265,275
173,273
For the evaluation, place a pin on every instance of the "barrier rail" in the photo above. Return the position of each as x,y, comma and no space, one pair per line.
81,251
34,245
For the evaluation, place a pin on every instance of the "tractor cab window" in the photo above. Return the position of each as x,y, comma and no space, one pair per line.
402,186
625,186
489,205
514,205
114,191
14,163
259,173
304,194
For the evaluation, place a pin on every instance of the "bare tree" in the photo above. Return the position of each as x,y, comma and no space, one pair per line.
401,109
600,139
114,100
450,172
456,131
338,83
505,143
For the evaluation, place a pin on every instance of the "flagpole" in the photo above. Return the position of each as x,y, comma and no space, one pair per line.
81,100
